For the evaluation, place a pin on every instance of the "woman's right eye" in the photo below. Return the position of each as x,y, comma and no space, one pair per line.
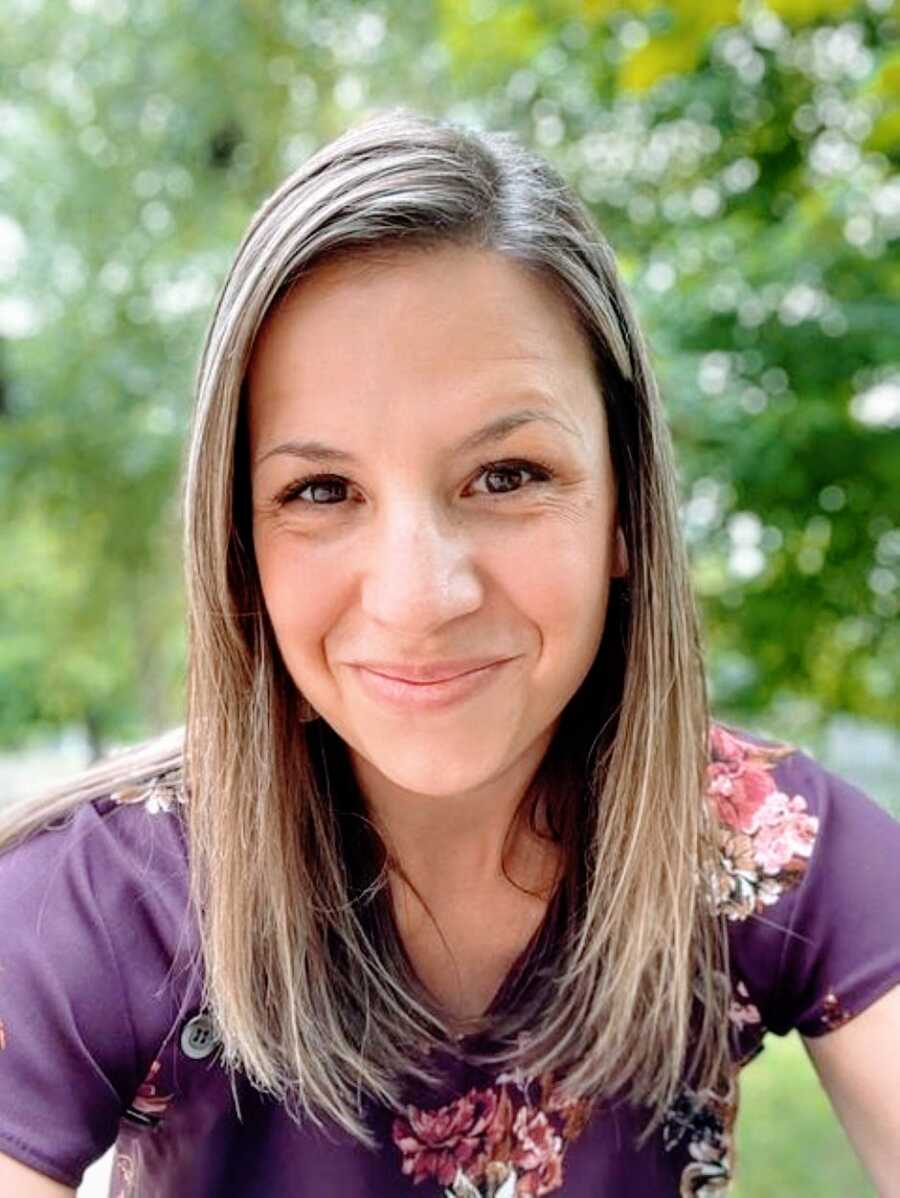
315,483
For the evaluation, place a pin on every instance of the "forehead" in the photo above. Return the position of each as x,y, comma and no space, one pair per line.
444,329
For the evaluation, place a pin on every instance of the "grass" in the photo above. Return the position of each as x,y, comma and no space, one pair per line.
789,1140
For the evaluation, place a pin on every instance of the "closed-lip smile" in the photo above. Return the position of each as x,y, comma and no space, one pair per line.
453,685
432,672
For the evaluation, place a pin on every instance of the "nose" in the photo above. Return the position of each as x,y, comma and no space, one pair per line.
420,572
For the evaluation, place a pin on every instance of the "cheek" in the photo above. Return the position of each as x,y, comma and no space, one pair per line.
559,583
562,573
298,599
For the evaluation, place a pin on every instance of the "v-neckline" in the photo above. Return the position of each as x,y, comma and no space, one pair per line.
533,950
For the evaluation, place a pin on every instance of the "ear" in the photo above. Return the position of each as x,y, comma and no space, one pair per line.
620,557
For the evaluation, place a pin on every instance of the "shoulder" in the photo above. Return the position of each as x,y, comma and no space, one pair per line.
767,796
807,880
107,881
97,956
780,812
127,841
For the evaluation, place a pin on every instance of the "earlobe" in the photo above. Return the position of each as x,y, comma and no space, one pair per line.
620,563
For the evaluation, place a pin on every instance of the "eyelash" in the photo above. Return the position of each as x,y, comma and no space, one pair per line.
292,491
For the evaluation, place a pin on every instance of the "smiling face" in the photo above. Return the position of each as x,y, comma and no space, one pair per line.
417,541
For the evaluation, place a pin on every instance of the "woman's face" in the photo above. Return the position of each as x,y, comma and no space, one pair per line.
424,537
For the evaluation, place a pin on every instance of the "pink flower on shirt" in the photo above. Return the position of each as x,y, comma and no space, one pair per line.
782,831
537,1155
436,1143
739,776
500,1142
765,836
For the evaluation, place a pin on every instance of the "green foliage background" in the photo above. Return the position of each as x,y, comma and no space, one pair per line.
742,160
788,1139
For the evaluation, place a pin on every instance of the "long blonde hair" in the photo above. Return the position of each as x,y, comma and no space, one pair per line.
302,966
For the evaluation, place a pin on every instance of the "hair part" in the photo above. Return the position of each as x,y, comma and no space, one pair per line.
303,968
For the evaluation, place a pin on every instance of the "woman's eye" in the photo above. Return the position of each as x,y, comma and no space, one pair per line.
319,486
512,471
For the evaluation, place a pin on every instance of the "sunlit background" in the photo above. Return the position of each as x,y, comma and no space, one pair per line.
742,160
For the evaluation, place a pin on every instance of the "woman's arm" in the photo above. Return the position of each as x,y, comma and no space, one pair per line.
859,1067
18,1179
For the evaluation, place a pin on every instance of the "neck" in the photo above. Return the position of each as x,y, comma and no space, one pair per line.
455,846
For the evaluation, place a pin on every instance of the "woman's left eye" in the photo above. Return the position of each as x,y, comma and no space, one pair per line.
499,469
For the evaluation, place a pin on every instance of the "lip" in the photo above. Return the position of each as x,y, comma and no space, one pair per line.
436,671
427,696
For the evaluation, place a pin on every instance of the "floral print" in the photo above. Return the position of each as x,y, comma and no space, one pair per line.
834,1013
742,1012
503,1141
765,839
158,793
437,1143
704,1121
147,1107
766,836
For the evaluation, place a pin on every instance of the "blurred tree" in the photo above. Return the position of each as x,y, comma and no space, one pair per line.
138,142
741,159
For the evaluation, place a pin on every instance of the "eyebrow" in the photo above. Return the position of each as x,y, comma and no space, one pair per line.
494,430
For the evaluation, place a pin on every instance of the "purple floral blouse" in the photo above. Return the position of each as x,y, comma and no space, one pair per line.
102,1040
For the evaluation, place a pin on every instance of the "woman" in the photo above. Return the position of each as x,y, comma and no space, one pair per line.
452,887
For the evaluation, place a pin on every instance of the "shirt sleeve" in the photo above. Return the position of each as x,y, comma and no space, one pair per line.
822,942
83,951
